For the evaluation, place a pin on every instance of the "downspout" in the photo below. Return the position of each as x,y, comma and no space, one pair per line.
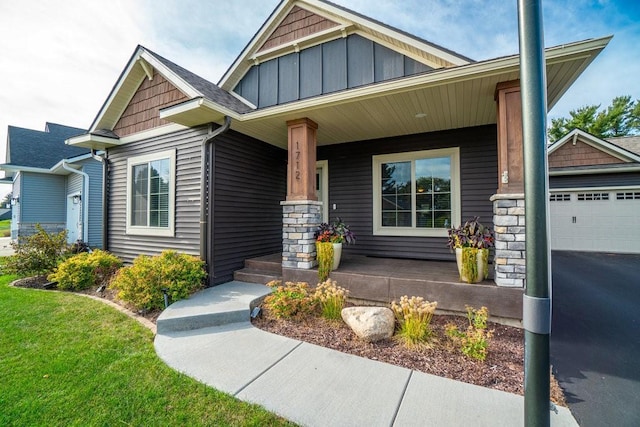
105,210
85,200
206,215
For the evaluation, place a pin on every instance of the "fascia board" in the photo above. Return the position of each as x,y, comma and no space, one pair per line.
321,8
89,139
194,104
597,143
168,74
626,169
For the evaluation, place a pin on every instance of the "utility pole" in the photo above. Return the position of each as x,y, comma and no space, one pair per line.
536,314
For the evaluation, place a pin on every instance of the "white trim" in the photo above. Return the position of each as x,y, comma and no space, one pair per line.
323,165
153,231
453,154
151,133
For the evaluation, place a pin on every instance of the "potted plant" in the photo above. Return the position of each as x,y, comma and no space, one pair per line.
471,242
329,240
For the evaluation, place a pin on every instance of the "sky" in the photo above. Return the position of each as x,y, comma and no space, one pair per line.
59,59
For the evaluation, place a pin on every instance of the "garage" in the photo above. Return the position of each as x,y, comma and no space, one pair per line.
594,193
600,221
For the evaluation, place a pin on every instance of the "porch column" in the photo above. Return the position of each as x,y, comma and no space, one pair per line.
508,203
301,212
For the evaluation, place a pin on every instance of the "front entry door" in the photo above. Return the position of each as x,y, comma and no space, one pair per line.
73,218
322,187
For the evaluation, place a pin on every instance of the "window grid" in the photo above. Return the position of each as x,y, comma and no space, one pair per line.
631,195
560,197
593,196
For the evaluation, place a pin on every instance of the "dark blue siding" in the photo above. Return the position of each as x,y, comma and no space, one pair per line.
334,66
268,85
311,69
288,78
359,61
389,64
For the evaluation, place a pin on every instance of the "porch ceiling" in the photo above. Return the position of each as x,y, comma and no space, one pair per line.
443,99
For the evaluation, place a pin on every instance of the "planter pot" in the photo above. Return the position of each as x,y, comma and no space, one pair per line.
472,269
337,253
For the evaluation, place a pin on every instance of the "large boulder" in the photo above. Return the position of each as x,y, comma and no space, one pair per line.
370,323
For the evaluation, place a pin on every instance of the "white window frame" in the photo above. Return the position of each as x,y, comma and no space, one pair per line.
454,156
145,159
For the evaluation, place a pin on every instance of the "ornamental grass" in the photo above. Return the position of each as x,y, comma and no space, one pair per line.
414,317
332,299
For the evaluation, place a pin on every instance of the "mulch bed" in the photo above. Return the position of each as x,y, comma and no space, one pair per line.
503,368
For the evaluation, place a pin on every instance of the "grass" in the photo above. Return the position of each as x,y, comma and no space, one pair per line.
5,228
69,360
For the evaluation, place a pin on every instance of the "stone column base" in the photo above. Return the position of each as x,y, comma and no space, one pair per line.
300,220
508,220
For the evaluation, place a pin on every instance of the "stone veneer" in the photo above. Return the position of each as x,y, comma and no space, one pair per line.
300,219
508,221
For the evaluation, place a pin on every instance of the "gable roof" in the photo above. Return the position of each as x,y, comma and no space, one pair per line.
346,22
629,143
37,149
460,93
610,148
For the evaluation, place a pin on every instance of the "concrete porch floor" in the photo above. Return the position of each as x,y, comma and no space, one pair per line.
381,280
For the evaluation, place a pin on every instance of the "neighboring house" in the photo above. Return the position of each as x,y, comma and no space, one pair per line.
54,185
595,193
324,113
5,214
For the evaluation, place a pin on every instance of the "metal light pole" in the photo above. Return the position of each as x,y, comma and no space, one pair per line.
536,314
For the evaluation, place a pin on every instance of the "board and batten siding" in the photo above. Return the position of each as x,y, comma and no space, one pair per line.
187,201
351,187
250,183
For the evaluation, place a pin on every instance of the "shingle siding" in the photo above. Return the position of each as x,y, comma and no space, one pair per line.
351,186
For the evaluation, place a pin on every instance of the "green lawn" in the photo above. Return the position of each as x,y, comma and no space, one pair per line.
68,360
5,228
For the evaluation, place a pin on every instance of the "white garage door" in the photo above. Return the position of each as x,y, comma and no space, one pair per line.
601,221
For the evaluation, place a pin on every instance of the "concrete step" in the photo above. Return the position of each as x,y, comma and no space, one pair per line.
251,275
265,264
220,305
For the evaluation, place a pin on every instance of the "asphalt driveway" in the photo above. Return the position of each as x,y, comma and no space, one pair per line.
595,338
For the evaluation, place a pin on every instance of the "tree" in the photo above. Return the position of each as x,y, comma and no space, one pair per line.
6,200
621,118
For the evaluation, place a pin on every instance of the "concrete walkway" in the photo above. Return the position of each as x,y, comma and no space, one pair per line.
210,338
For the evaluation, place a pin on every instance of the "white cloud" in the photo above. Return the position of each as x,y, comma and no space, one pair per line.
61,59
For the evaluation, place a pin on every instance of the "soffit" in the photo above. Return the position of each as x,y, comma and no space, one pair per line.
450,98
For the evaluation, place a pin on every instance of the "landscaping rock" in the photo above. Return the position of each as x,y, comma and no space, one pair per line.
370,323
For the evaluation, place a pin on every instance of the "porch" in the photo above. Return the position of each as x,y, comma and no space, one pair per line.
381,280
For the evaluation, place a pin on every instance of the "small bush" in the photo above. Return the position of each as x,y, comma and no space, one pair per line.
474,342
38,254
414,316
289,300
85,270
141,284
331,298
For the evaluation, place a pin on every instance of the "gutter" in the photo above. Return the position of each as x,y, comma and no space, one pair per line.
207,211
85,200
105,210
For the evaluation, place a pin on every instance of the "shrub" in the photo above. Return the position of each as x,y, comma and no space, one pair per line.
85,270
414,316
142,283
38,254
289,300
331,298
474,342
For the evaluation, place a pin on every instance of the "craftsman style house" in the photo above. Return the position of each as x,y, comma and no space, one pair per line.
54,185
325,113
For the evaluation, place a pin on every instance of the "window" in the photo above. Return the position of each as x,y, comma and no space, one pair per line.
417,193
560,197
628,196
592,196
150,194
